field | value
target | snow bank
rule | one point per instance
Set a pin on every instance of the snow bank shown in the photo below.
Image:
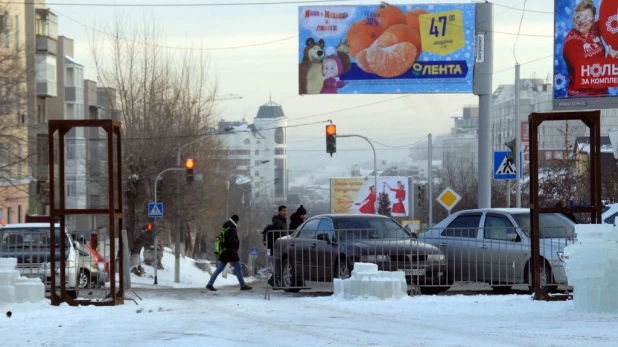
(368, 283)
(190, 275)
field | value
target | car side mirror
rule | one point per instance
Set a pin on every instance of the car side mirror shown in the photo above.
(513, 237)
(324, 237)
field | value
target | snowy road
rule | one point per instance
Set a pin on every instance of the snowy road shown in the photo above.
(196, 317)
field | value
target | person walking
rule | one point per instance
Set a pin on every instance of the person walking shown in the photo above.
(297, 218)
(229, 255)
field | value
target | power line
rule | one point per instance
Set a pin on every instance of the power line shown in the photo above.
(521, 20)
(523, 9)
(202, 4)
(176, 47)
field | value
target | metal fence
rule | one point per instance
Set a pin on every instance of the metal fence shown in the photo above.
(86, 262)
(433, 260)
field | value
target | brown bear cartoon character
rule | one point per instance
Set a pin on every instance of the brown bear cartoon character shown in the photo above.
(310, 79)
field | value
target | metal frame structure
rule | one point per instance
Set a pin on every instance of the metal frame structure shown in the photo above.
(592, 119)
(113, 210)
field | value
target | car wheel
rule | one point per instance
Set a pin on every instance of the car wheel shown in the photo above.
(83, 279)
(342, 270)
(546, 278)
(288, 277)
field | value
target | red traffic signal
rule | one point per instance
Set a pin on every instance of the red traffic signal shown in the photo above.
(149, 227)
(331, 139)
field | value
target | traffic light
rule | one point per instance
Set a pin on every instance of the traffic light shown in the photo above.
(189, 165)
(331, 139)
(420, 194)
(149, 227)
(511, 146)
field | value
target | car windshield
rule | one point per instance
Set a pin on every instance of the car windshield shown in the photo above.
(552, 225)
(370, 229)
(28, 237)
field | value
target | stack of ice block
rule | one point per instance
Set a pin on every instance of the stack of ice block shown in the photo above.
(17, 289)
(366, 281)
(592, 268)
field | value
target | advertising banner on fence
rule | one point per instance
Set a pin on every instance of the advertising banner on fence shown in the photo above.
(386, 49)
(585, 51)
(357, 195)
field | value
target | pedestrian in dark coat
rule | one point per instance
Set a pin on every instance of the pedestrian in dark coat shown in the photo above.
(297, 218)
(231, 244)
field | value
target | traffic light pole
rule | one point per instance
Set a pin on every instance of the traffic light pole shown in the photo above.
(517, 149)
(156, 223)
(430, 176)
(375, 167)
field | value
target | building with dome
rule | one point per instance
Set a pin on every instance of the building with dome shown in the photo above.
(258, 152)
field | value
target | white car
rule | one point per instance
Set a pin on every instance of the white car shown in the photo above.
(610, 212)
(30, 244)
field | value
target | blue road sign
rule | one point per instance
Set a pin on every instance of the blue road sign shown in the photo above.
(254, 251)
(504, 169)
(155, 210)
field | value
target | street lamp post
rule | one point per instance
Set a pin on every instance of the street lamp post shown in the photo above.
(177, 236)
(155, 232)
(375, 166)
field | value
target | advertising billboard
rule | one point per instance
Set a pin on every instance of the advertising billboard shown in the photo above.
(585, 50)
(386, 49)
(358, 194)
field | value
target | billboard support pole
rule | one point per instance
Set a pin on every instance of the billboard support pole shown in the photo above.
(518, 168)
(483, 72)
(430, 177)
(375, 167)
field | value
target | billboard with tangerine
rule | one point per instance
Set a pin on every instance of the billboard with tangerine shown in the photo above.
(386, 49)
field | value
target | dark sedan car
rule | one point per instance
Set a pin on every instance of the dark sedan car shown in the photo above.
(327, 246)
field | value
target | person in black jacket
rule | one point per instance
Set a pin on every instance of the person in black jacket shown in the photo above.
(297, 218)
(229, 255)
(280, 224)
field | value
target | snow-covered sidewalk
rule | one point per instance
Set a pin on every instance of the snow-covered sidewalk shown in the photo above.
(189, 317)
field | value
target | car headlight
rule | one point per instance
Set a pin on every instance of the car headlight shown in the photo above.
(375, 258)
(435, 257)
(561, 256)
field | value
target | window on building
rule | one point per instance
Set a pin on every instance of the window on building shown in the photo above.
(70, 77)
(257, 162)
(257, 152)
(1, 214)
(9, 218)
(558, 155)
(4, 27)
(247, 142)
(279, 136)
(19, 160)
(257, 174)
(17, 43)
(279, 151)
(70, 111)
(9, 160)
(19, 214)
(547, 155)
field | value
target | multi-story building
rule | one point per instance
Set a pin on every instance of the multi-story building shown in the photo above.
(461, 147)
(259, 151)
(16, 52)
(557, 138)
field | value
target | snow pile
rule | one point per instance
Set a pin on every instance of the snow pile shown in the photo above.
(592, 268)
(17, 289)
(366, 281)
(191, 276)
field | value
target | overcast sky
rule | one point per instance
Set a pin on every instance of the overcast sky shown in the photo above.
(258, 71)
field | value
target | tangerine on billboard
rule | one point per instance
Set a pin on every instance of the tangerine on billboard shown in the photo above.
(358, 195)
(386, 49)
(585, 54)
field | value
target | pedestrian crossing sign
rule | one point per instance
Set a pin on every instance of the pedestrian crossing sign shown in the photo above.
(155, 210)
(504, 168)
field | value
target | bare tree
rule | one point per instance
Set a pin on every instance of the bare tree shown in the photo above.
(13, 126)
(166, 100)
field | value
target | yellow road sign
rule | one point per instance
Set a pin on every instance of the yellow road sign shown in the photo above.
(448, 198)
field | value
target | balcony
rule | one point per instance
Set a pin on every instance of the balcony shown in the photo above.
(46, 23)
(45, 65)
(46, 44)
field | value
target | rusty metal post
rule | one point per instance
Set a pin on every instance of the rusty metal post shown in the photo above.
(592, 119)
(55, 300)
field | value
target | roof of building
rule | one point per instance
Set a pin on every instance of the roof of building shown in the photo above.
(582, 144)
(270, 110)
